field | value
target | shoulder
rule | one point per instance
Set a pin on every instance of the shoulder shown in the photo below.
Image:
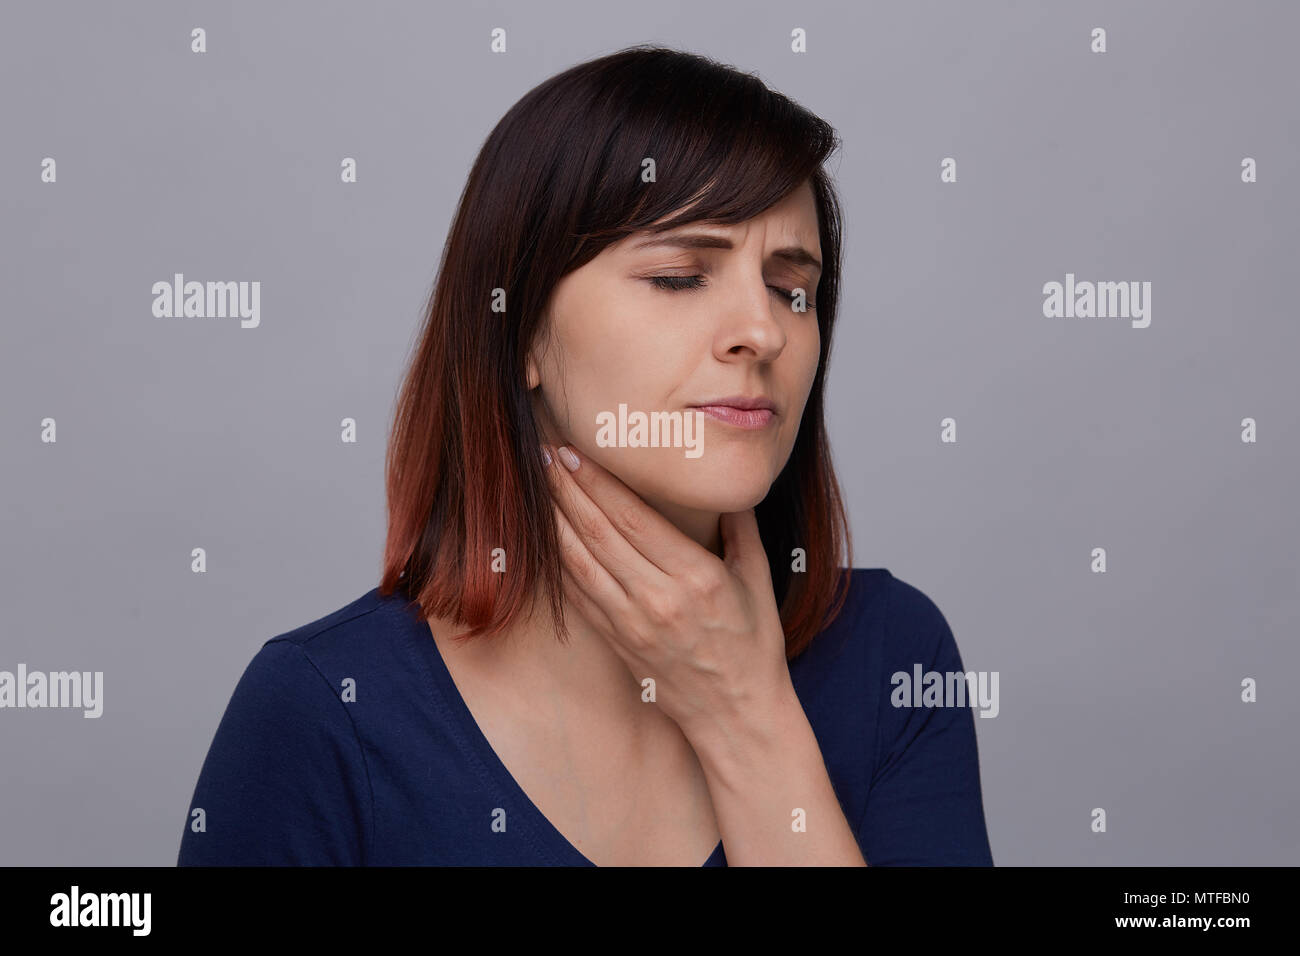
(892, 599)
(286, 675)
(366, 634)
(844, 679)
(286, 779)
(885, 619)
(370, 613)
(887, 627)
(920, 757)
(306, 673)
(914, 628)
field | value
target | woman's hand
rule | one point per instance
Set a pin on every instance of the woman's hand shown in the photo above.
(706, 629)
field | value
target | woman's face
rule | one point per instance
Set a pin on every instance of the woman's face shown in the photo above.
(616, 337)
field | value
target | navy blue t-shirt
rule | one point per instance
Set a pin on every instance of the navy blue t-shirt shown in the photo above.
(301, 774)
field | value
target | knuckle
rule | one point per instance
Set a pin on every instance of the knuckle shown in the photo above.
(588, 527)
(589, 577)
(705, 584)
(632, 521)
(665, 607)
(637, 638)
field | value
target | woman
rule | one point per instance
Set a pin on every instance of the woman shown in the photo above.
(614, 626)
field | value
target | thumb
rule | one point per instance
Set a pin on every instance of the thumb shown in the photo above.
(742, 547)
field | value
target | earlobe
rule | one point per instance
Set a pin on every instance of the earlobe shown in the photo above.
(531, 376)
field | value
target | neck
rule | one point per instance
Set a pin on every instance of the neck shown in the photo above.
(700, 526)
(585, 675)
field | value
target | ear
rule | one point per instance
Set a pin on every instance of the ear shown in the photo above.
(532, 377)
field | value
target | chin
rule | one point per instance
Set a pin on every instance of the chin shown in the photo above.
(722, 504)
(700, 484)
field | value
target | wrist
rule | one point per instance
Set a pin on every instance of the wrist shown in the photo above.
(750, 738)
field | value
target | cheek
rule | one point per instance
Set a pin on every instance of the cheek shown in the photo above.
(809, 357)
(593, 377)
(636, 363)
(605, 350)
(803, 372)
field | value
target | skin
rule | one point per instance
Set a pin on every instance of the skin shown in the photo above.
(617, 338)
(665, 573)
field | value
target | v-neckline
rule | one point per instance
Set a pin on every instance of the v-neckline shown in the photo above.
(473, 735)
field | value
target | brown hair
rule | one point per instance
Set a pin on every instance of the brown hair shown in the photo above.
(557, 180)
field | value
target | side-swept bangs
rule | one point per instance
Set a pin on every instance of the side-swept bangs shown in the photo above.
(644, 139)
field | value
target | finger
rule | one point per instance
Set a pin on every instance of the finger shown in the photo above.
(606, 629)
(590, 576)
(742, 547)
(604, 541)
(588, 609)
(652, 535)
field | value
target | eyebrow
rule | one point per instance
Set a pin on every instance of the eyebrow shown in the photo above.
(796, 255)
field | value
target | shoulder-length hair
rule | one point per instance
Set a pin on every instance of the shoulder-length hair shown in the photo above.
(559, 178)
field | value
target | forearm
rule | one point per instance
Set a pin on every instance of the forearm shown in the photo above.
(761, 773)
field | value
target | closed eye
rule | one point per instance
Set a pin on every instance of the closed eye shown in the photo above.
(671, 283)
(685, 283)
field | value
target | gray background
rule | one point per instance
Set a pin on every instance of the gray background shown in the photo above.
(1119, 690)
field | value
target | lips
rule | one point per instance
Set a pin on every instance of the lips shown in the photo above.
(738, 401)
(739, 410)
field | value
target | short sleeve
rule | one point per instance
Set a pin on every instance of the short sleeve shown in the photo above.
(924, 806)
(284, 782)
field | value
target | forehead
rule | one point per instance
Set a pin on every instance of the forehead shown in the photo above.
(800, 207)
(790, 224)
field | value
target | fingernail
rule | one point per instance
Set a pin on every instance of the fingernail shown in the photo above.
(569, 458)
(546, 456)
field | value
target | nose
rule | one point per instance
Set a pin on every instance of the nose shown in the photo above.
(750, 326)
